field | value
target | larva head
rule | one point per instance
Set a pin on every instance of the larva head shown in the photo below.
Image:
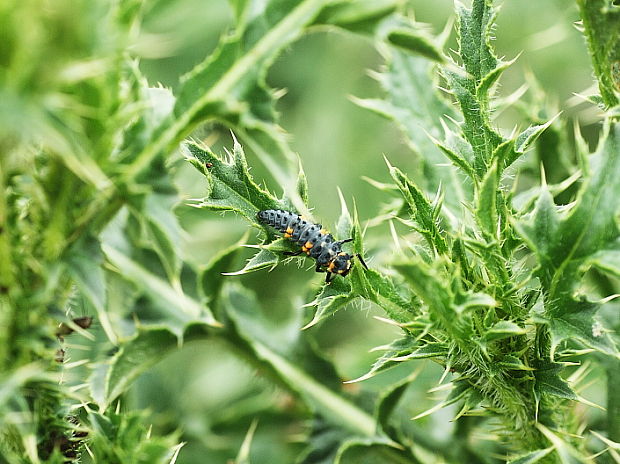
(341, 264)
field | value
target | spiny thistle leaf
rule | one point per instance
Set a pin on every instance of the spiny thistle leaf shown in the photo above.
(371, 450)
(476, 128)
(474, 38)
(607, 260)
(230, 185)
(421, 210)
(415, 42)
(361, 16)
(388, 403)
(136, 356)
(486, 207)
(428, 284)
(211, 279)
(124, 436)
(178, 307)
(264, 259)
(563, 242)
(401, 350)
(531, 458)
(229, 84)
(329, 300)
(413, 103)
(471, 84)
(548, 381)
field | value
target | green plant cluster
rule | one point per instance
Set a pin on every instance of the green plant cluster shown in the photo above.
(507, 286)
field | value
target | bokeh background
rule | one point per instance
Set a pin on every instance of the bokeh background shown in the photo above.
(203, 390)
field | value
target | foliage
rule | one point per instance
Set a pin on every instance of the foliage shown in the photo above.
(493, 282)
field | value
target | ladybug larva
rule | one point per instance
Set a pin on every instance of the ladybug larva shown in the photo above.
(315, 241)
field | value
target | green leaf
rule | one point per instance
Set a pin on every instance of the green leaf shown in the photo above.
(541, 231)
(456, 158)
(415, 42)
(422, 210)
(549, 382)
(513, 363)
(323, 443)
(576, 321)
(607, 260)
(178, 307)
(344, 226)
(361, 16)
(476, 128)
(387, 403)
(395, 353)
(302, 185)
(365, 283)
(136, 356)
(211, 279)
(485, 85)
(329, 300)
(474, 28)
(470, 86)
(563, 242)
(511, 150)
(229, 85)
(85, 261)
(526, 138)
(384, 292)
(125, 436)
(230, 185)
(264, 259)
(503, 329)
(591, 223)
(85, 265)
(430, 286)
(565, 452)
(413, 103)
(372, 451)
(486, 205)
(164, 230)
(282, 349)
(531, 458)
(283, 337)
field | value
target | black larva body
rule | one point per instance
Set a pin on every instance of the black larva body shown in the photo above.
(315, 241)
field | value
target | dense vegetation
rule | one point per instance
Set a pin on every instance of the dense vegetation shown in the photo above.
(127, 332)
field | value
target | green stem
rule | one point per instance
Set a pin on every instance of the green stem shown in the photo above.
(613, 400)
(325, 401)
(221, 91)
(7, 278)
(601, 23)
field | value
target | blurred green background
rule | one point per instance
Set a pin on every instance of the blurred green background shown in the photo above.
(203, 390)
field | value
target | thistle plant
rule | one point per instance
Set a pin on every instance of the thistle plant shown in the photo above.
(491, 291)
(507, 285)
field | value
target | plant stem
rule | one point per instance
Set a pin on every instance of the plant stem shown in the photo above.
(613, 400)
(6, 271)
(601, 24)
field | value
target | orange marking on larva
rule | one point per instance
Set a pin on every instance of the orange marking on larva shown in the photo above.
(308, 245)
(289, 231)
(287, 235)
(324, 232)
(342, 253)
(330, 266)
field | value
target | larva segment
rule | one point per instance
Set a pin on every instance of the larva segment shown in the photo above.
(315, 241)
